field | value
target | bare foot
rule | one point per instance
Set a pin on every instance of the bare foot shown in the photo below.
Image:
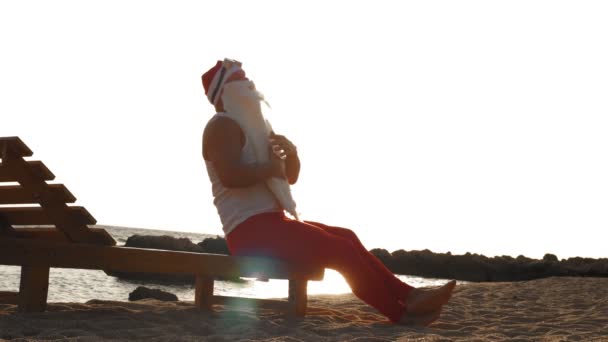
(429, 300)
(419, 319)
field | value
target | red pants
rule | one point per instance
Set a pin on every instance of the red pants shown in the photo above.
(275, 235)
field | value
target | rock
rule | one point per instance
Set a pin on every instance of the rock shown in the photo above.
(476, 267)
(215, 245)
(163, 242)
(142, 292)
(522, 259)
(550, 257)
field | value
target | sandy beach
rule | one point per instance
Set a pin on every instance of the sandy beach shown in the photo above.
(552, 309)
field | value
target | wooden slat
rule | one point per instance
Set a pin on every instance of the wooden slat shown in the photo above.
(38, 168)
(16, 145)
(36, 216)
(52, 233)
(86, 256)
(16, 194)
(34, 288)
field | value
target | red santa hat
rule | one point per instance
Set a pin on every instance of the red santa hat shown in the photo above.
(215, 78)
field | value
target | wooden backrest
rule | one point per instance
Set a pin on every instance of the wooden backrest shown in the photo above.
(49, 200)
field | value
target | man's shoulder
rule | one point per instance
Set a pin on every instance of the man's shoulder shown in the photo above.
(220, 133)
(218, 120)
(220, 123)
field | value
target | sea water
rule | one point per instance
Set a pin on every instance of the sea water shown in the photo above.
(74, 285)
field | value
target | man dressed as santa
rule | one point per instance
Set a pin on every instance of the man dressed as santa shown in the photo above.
(250, 169)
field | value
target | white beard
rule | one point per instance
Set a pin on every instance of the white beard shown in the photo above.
(241, 97)
(242, 102)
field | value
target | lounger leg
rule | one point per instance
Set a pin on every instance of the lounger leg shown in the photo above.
(203, 296)
(34, 288)
(297, 296)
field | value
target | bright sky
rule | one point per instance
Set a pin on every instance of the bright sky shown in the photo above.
(450, 125)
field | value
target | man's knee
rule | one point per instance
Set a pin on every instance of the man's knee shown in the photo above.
(349, 234)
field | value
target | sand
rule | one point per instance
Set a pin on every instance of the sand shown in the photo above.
(552, 309)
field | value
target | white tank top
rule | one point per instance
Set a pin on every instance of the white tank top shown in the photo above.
(235, 205)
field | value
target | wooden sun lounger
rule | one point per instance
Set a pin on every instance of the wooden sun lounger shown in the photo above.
(71, 243)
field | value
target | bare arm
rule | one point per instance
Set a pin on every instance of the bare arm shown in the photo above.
(222, 146)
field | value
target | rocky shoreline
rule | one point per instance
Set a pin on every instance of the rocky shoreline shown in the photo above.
(425, 263)
(479, 268)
